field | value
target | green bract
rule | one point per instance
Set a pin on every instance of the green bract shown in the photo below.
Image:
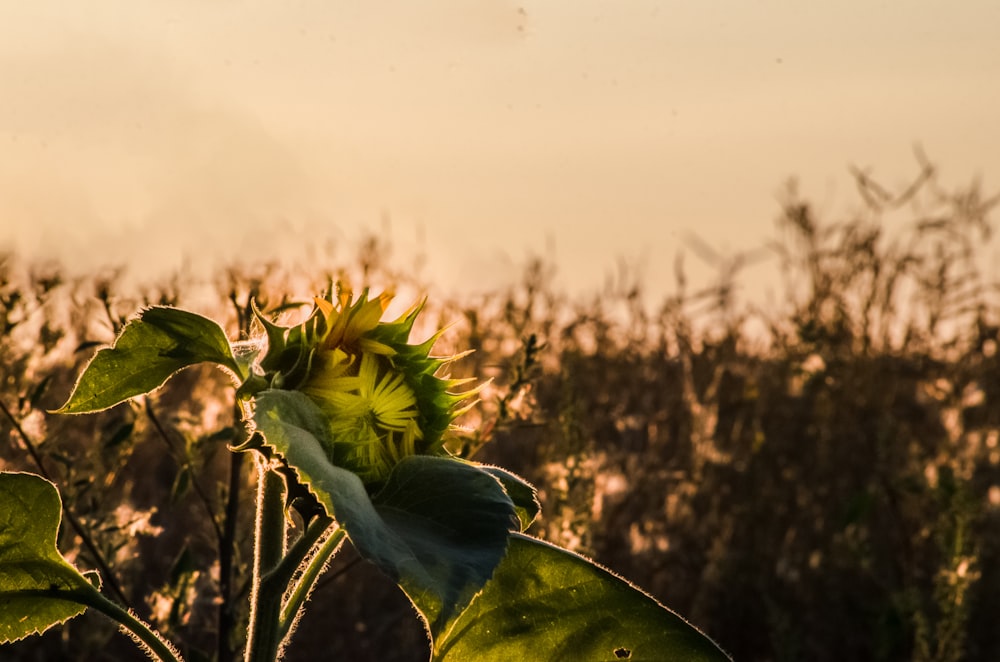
(381, 395)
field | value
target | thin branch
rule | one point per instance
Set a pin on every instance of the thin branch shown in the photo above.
(264, 637)
(226, 551)
(185, 464)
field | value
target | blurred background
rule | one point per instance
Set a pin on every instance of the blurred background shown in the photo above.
(475, 133)
(729, 266)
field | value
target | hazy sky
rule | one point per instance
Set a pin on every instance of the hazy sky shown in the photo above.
(484, 130)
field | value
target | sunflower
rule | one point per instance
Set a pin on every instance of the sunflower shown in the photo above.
(381, 395)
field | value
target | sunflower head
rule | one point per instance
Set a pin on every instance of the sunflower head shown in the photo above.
(382, 396)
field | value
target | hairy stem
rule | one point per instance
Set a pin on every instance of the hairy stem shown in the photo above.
(149, 640)
(264, 636)
(313, 567)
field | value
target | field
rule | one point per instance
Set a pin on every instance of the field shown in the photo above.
(819, 482)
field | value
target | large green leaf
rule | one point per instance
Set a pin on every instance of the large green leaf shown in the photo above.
(38, 587)
(148, 351)
(545, 603)
(438, 526)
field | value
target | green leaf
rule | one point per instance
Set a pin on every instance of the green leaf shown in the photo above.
(521, 492)
(456, 519)
(438, 526)
(120, 435)
(545, 603)
(149, 350)
(38, 587)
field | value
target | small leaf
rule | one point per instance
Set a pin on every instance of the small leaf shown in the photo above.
(36, 393)
(182, 482)
(438, 526)
(120, 435)
(545, 603)
(87, 344)
(521, 492)
(149, 350)
(182, 566)
(224, 434)
(38, 587)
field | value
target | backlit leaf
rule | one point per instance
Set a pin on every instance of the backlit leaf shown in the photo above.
(545, 603)
(151, 348)
(521, 492)
(38, 587)
(438, 526)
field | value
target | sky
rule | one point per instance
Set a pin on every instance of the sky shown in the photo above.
(477, 133)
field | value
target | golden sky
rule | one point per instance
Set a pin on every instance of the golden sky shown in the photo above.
(484, 130)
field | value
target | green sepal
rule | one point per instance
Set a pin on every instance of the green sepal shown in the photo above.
(150, 349)
(546, 603)
(39, 589)
(438, 526)
(290, 349)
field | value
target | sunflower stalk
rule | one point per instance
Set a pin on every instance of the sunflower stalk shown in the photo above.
(270, 531)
